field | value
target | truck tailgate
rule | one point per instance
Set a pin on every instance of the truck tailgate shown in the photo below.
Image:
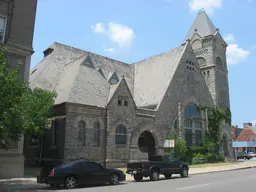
(134, 166)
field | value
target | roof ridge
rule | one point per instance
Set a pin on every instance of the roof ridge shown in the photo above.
(157, 55)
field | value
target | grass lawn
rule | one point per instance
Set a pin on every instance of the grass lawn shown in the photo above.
(200, 165)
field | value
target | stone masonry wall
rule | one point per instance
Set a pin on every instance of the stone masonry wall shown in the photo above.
(186, 87)
(90, 115)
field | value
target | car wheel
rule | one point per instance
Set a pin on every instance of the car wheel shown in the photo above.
(70, 182)
(114, 179)
(184, 172)
(154, 175)
(138, 177)
(168, 176)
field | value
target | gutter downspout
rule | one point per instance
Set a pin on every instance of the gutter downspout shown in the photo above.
(41, 149)
(105, 140)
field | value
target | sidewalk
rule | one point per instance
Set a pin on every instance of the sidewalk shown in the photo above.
(192, 171)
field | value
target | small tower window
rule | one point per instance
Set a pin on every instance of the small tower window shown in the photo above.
(119, 101)
(125, 102)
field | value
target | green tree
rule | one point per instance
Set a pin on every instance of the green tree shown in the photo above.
(22, 110)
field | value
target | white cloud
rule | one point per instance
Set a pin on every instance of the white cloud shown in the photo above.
(208, 5)
(98, 28)
(229, 37)
(236, 54)
(111, 50)
(119, 34)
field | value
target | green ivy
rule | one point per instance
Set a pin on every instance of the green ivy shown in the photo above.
(215, 117)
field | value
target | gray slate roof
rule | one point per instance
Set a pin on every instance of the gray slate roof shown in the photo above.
(203, 25)
(82, 77)
(66, 72)
(152, 76)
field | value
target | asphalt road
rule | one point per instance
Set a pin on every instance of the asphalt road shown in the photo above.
(235, 181)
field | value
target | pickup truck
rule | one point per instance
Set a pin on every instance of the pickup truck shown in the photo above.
(157, 165)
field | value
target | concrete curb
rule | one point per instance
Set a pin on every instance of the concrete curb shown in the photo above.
(130, 178)
(218, 171)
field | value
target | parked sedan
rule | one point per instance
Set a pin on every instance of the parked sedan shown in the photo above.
(82, 172)
(243, 155)
(251, 154)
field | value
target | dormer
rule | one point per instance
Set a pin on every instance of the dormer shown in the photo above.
(88, 62)
(48, 52)
(112, 78)
(101, 72)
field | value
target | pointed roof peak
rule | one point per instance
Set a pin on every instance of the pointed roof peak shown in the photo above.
(202, 25)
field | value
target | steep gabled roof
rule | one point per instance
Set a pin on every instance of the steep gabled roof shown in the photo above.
(64, 71)
(152, 76)
(203, 25)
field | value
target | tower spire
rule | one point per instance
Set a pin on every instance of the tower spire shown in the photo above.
(201, 10)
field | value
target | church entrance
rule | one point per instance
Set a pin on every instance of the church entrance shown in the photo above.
(147, 144)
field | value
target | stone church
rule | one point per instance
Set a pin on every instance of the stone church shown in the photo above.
(112, 112)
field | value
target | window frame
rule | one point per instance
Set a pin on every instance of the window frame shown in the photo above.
(82, 130)
(119, 134)
(96, 131)
(5, 27)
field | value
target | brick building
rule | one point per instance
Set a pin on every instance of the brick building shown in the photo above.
(17, 20)
(236, 132)
(111, 112)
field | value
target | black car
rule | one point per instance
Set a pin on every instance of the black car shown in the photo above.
(81, 172)
(243, 155)
(165, 165)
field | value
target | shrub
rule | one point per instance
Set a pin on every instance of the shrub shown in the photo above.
(198, 159)
(220, 158)
(198, 149)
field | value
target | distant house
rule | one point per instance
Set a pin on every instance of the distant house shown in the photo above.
(246, 140)
(248, 133)
(236, 132)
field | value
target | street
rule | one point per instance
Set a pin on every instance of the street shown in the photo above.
(235, 181)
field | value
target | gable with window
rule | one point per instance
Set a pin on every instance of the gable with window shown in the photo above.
(120, 135)
(3, 20)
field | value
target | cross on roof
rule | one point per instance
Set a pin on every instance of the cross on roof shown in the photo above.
(201, 10)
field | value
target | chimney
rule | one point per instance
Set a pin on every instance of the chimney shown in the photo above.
(48, 52)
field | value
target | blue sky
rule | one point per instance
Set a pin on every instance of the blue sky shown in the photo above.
(130, 30)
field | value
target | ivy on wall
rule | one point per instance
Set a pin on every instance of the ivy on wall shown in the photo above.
(215, 117)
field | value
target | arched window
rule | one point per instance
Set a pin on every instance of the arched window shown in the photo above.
(120, 135)
(81, 133)
(191, 111)
(201, 61)
(96, 134)
(192, 124)
(219, 62)
(197, 44)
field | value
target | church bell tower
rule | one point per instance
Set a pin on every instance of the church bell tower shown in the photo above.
(210, 50)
